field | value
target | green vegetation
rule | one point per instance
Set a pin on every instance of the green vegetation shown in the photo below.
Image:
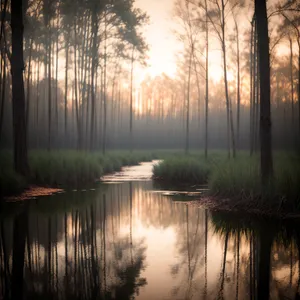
(239, 179)
(64, 168)
(182, 169)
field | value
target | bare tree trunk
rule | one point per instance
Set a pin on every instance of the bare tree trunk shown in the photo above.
(292, 80)
(28, 84)
(131, 100)
(299, 85)
(187, 133)
(265, 105)
(256, 113)
(56, 74)
(79, 145)
(230, 129)
(206, 79)
(18, 95)
(255, 88)
(104, 87)
(49, 89)
(66, 86)
(3, 90)
(37, 100)
(251, 87)
(238, 82)
(94, 58)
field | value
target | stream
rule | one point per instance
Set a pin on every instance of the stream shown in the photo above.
(128, 238)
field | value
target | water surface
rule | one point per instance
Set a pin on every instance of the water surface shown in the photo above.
(124, 241)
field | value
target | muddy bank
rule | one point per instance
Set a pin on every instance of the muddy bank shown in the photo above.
(214, 203)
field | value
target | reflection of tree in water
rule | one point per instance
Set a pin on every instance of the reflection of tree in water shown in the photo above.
(77, 254)
(273, 250)
(127, 273)
(191, 236)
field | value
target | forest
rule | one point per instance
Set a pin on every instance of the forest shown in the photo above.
(149, 149)
(74, 100)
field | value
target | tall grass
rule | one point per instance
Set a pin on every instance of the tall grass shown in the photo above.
(238, 179)
(64, 167)
(182, 169)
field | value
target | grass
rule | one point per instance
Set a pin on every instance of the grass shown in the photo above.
(64, 168)
(182, 169)
(238, 179)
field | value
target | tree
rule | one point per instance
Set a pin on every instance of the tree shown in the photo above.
(48, 15)
(18, 94)
(137, 48)
(266, 159)
(206, 77)
(190, 24)
(217, 17)
(238, 85)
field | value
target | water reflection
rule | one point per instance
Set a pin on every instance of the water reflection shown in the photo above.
(121, 241)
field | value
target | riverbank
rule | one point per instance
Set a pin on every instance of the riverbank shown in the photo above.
(65, 168)
(235, 184)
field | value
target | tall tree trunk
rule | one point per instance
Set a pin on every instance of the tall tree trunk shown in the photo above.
(131, 100)
(299, 84)
(265, 105)
(251, 86)
(78, 122)
(104, 87)
(49, 88)
(94, 58)
(292, 80)
(66, 86)
(256, 113)
(56, 74)
(28, 84)
(230, 129)
(238, 96)
(206, 79)
(3, 90)
(187, 133)
(18, 95)
(37, 99)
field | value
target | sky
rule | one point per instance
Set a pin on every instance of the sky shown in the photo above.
(160, 37)
(164, 45)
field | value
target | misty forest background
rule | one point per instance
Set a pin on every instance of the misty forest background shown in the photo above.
(82, 90)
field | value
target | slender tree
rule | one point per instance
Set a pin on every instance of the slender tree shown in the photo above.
(18, 94)
(266, 162)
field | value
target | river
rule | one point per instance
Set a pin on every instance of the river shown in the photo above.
(125, 238)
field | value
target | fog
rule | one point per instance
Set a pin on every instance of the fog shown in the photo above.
(83, 86)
